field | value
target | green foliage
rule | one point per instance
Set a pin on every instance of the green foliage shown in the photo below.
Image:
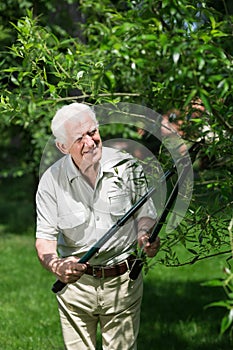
(46, 70)
(158, 54)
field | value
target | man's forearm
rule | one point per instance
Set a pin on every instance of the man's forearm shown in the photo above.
(145, 225)
(46, 251)
(50, 262)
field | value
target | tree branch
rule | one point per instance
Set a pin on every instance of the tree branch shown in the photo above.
(197, 258)
(101, 95)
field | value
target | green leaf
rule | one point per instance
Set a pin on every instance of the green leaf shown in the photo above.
(213, 283)
(220, 303)
(213, 22)
(14, 80)
(190, 97)
(226, 322)
(205, 100)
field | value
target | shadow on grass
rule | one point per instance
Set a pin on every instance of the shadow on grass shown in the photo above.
(173, 317)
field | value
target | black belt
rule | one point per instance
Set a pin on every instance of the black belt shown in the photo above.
(110, 271)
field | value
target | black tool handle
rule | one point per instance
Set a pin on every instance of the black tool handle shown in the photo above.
(139, 262)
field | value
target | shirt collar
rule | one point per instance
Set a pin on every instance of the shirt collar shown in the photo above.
(71, 170)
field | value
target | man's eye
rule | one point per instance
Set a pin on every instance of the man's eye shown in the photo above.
(92, 133)
(78, 140)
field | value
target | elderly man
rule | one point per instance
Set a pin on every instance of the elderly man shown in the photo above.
(78, 199)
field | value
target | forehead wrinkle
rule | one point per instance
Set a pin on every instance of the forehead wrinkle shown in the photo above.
(77, 128)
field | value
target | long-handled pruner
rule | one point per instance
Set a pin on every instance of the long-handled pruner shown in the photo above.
(139, 262)
(58, 285)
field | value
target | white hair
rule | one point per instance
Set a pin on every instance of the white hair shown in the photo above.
(73, 113)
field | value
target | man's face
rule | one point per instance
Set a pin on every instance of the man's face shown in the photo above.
(84, 142)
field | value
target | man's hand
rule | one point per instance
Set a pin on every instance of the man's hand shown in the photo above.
(68, 270)
(145, 225)
(151, 249)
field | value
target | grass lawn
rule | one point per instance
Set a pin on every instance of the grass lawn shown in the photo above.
(173, 310)
(173, 315)
(28, 315)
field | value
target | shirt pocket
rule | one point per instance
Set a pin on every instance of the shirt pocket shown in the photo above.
(119, 203)
(73, 224)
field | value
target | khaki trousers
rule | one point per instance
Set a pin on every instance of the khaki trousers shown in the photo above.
(114, 303)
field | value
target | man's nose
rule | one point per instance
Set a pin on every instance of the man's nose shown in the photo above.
(88, 140)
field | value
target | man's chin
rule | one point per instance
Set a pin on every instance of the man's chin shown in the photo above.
(92, 157)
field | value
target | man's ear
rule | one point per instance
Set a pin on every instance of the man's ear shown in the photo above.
(62, 147)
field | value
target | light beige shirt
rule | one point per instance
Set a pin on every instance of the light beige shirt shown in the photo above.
(70, 211)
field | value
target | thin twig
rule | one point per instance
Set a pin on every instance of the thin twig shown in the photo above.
(197, 258)
(89, 95)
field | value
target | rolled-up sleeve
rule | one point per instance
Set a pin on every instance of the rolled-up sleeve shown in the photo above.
(46, 226)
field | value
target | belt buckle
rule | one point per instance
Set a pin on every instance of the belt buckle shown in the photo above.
(96, 269)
